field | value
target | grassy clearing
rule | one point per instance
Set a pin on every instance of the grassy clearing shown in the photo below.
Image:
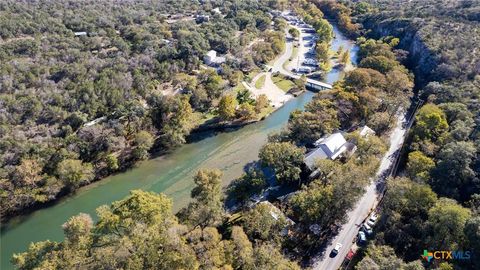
(260, 82)
(283, 83)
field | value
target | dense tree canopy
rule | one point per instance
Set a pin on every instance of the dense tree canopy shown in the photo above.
(107, 83)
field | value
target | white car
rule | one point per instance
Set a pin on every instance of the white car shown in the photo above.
(372, 220)
(335, 250)
(367, 229)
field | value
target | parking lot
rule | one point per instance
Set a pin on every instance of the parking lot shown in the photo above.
(305, 61)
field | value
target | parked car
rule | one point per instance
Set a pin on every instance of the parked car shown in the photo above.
(335, 250)
(372, 219)
(367, 229)
(361, 238)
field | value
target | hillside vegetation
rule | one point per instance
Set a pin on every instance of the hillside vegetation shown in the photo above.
(437, 206)
(77, 107)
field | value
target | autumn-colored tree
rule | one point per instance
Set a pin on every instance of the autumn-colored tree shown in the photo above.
(226, 107)
(261, 103)
(73, 173)
(419, 166)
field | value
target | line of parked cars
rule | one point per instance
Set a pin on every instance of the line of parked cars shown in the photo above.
(367, 229)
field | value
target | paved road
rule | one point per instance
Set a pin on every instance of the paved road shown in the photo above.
(278, 64)
(363, 207)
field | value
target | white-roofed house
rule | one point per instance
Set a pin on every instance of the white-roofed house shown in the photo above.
(330, 147)
(212, 59)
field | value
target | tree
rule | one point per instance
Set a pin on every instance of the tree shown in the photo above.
(143, 142)
(261, 103)
(453, 175)
(431, 123)
(207, 207)
(77, 231)
(448, 220)
(294, 32)
(472, 236)
(379, 63)
(358, 78)
(345, 58)
(246, 111)
(73, 173)
(380, 122)
(226, 107)
(209, 247)
(242, 249)
(406, 207)
(419, 166)
(319, 118)
(177, 121)
(285, 159)
(244, 96)
(137, 232)
(367, 147)
(112, 162)
(259, 223)
(324, 30)
(268, 257)
(27, 173)
(312, 204)
(323, 55)
(381, 258)
(251, 183)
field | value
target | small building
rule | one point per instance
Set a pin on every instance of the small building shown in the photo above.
(365, 131)
(330, 147)
(212, 59)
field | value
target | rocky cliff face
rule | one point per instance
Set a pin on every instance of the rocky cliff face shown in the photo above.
(421, 60)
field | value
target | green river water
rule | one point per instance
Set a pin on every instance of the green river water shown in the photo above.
(171, 174)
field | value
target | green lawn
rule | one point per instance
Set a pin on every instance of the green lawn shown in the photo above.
(260, 82)
(282, 83)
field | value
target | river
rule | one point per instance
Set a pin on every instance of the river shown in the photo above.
(171, 174)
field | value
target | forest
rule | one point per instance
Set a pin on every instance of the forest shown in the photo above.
(89, 88)
(433, 204)
(207, 234)
(409, 52)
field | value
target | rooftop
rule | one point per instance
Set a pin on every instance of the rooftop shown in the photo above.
(329, 147)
